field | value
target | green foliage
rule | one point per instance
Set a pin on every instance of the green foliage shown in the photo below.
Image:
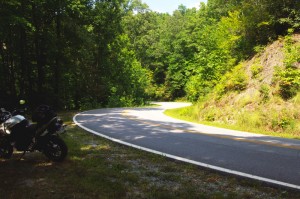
(256, 69)
(283, 120)
(224, 34)
(88, 53)
(236, 80)
(197, 88)
(192, 88)
(289, 82)
(292, 19)
(127, 79)
(259, 49)
(69, 54)
(292, 51)
(229, 34)
(289, 78)
(265, 92)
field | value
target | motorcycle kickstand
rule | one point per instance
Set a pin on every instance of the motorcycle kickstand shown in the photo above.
(22, 155)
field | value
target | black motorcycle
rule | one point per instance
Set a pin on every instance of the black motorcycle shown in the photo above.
(16, 132)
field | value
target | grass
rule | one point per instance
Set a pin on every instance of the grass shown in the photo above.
(98, 168)
(246, 112)
(247, 122)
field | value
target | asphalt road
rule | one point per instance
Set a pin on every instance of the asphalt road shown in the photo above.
(269, 159)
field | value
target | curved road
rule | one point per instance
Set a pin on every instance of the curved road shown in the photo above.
(265, 158)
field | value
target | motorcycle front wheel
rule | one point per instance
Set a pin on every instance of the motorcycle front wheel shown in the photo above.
(6, 150)
(55, 149)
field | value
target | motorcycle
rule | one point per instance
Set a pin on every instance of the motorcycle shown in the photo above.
(16, 132)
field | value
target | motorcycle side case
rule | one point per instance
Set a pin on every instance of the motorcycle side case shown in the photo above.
(17, 127)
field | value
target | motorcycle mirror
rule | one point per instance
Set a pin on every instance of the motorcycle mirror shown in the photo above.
(22, 102)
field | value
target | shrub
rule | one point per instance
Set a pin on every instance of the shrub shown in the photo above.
(282, 119)
(289, 79)
(210, 115)
(256, 69)
(289, 83)
(259, 49)
(236, 80)
(265, 92)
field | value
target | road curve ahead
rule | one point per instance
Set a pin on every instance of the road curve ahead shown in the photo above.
(265, 158)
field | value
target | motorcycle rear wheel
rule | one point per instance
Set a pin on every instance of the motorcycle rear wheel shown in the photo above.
(6, 150)
(55, 149)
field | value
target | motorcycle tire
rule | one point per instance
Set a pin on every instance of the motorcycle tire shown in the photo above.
(55, 149)
(6, 150)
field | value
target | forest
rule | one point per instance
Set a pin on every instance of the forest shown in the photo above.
(79, 54)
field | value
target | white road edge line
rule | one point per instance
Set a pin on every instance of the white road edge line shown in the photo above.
(246, 175)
